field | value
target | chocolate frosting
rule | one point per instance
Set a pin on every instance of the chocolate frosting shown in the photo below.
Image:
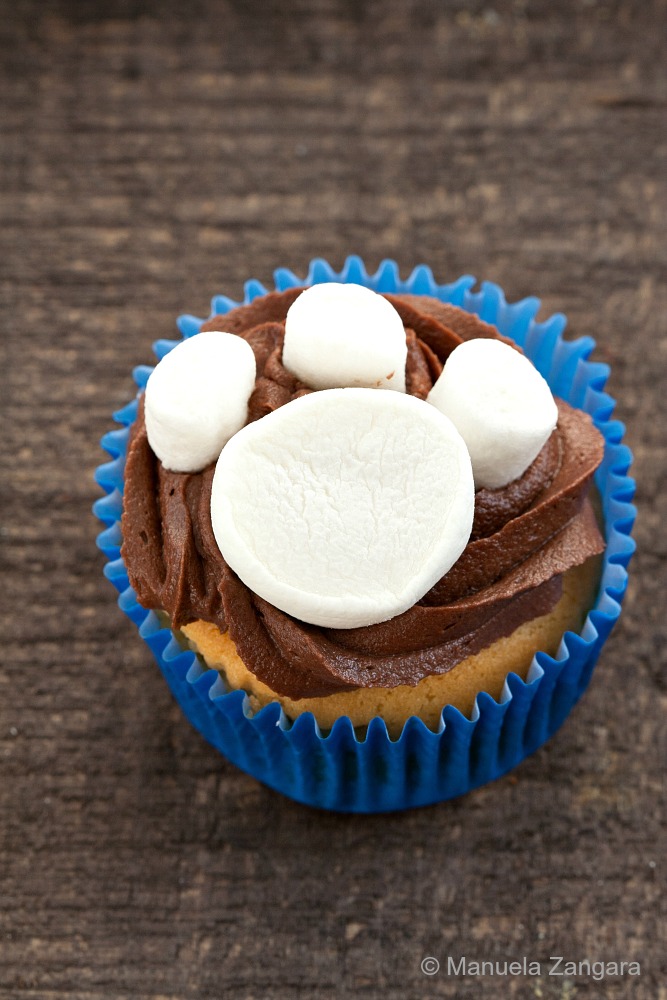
(525, 535)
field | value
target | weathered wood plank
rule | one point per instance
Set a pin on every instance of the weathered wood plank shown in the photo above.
(153, 155)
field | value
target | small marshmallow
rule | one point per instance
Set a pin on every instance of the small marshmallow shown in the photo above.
(501, 406)
(344, 507)
(345, 335)
(197, 398)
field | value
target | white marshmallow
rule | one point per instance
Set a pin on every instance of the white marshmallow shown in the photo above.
(344, 507)
(197, 398)
(501, 406)
(345, 335)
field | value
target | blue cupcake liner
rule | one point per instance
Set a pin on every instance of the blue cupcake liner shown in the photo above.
(366, 771)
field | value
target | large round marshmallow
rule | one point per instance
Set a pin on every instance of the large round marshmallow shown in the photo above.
(500, 404)
(345, 335)
(344, 507)
(197, 398)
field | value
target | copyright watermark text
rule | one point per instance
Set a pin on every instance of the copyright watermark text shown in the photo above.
(556, 965)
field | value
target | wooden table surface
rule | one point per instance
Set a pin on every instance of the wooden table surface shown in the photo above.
(154, 154)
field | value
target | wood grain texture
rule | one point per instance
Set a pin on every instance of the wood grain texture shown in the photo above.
(153, 155)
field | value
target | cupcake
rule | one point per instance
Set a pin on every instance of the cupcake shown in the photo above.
(394, 581)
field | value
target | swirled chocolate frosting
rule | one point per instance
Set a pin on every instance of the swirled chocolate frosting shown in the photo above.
(525, 535)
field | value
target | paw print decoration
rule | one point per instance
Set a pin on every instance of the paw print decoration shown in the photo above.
(345, 506)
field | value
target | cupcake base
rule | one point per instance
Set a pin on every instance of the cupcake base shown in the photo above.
(486, 671)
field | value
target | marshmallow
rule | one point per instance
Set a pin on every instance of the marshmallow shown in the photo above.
(501, 406)
(344, 507)
(197, 398)
(345, 335)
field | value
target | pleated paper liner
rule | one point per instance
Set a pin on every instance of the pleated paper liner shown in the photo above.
(366, 771)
